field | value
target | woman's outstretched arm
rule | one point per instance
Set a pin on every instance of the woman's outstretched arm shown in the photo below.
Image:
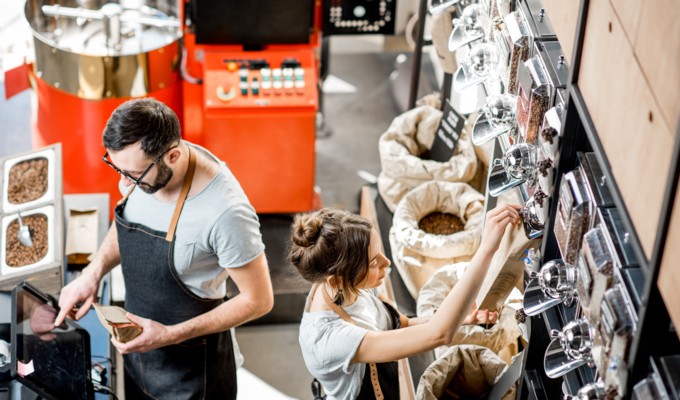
(383, 346)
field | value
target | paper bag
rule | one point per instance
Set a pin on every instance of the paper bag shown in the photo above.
(507, 268)
(82, 234)
(114, 320)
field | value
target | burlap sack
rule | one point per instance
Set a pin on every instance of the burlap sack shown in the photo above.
(417, 254)
(501, 338)
(400, 148)
(463, 372)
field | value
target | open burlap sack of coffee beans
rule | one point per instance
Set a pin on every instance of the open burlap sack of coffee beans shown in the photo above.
(409, 136)
(435, 206)
(463, 372)
(501, 337)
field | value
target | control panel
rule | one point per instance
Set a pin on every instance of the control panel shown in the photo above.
(351, 17)
(260, 79)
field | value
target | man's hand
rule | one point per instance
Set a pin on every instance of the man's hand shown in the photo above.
(82, 289)
(153, 336)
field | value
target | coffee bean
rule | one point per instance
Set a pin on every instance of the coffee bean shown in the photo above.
(27, 181)
(19, 255)
(438, 223)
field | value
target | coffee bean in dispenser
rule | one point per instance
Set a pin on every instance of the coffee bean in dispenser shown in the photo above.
(18, 255)
(27, 180)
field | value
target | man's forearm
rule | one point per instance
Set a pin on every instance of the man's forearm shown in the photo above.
(238, 310)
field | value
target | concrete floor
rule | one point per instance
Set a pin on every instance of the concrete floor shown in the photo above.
(346, 149)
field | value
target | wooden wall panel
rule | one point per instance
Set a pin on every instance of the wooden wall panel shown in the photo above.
(669, 274)
(628, 12)
(657, 48)
(637, 141)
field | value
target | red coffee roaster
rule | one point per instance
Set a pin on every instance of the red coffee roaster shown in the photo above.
(241, 75)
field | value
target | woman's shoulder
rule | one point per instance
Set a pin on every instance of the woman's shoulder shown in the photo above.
(319, 324)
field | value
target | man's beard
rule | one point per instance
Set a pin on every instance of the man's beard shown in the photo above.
(163, 176)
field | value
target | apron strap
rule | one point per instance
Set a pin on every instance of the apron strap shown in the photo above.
(343, 314)
(188, 178)
(129, 192)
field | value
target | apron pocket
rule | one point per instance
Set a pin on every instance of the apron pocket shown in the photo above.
(177, 371)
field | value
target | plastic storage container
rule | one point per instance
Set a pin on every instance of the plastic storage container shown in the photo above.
(574, 210)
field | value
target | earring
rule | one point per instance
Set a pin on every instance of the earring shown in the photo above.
(339, 297)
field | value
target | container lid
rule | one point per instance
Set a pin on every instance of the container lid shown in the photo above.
(634, 280)
(537, 19)
(620, 237)
(669, 367)
(112, 30)
(618, 302)
(518, 29)
(580, 193)
(599, 183)
(534, 79)
(554, 62)
(594, 182)
(597, 252)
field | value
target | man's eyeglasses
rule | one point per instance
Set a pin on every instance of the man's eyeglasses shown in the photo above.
(136, 181)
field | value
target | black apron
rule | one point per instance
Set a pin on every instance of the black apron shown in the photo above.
(381, 380)
(199, 368)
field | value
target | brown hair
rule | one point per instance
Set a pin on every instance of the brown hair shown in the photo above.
(331, 242)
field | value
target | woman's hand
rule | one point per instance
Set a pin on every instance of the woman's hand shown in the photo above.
(497, 220)
(481, 317)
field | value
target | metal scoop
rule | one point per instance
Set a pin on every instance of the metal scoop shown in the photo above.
(24, 234)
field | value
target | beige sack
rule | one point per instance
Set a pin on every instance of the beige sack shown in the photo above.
(463, 372)
(442, 25)
(501, 338)
(408, 137)
(417, 254)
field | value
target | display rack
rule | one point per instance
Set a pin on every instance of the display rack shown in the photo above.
(655, 338)
(655, 335)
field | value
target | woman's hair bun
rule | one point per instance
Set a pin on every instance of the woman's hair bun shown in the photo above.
(306, 230)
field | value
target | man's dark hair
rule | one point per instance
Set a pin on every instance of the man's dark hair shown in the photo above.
(147, 121)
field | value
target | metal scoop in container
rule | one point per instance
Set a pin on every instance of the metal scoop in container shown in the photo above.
(24, 234)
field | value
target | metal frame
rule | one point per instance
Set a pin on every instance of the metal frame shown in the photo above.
(417, 54)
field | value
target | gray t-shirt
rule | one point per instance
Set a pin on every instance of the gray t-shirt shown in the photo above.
(217, 230)
(329, 343)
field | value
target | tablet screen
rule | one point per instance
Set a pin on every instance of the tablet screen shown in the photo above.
(53, 362)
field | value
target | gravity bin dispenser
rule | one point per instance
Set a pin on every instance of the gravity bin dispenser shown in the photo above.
(250, 94)
(31, 220)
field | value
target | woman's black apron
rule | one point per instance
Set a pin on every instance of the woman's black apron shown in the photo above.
(199, 368)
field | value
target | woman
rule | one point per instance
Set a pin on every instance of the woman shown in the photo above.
(346, 327)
